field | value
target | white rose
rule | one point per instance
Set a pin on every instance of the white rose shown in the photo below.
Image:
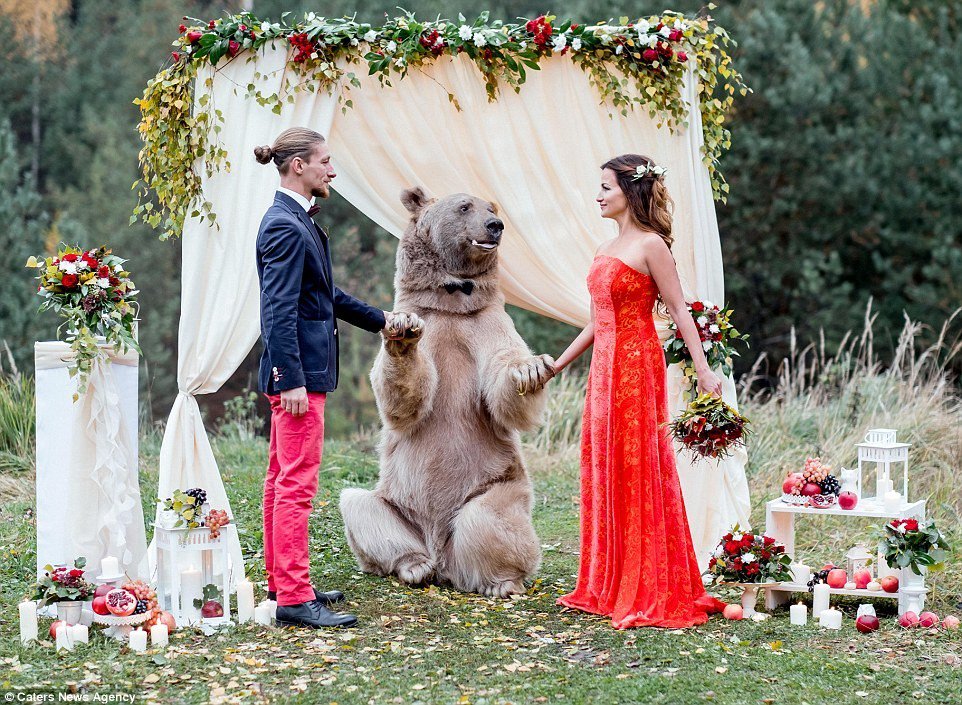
(103, 283)
(314, 55)
(736, 537)
(576, 44)
(82, 266)
(265, 27)
(605, 38)
(68, 267)
(748, 558)
(706, 345)
(464, 32)
(681, 26)
(665, 31)
(701, 320)
(559, 42)
(400, 62)
(713, 328)
(652, 41)
(719, 552)
(391, 47)
(118, 268)
(311, 16)
(354, 42)
(620, 48)
(479, 40)
(642, 26)
(370, 37)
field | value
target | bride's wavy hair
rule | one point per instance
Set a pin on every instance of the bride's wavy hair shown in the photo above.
(292, 142)
(648, 200)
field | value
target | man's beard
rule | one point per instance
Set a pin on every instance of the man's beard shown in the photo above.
(319, 193)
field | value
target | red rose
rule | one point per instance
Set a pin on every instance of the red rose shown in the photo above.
(682, 56)
(675, 35)
(243, 28)
(911, 525)
(175, 56)
(211, 24)
(76, 573)
(731, 547)
(697, 306)
(103, 272)
(749, 538)
(182, 29)
(727, 537)
(194, 35)
(69, 280)
(574, 26)
(233, 48)
(649, 54)
(769, 540)
(71, 257)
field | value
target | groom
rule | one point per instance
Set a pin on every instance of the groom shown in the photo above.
(299, 307)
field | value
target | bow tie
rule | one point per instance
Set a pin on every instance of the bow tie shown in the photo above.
(467, 287)
(313, 210)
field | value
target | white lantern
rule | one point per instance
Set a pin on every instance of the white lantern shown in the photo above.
(857, 558)
(880, 447)
(188, 560)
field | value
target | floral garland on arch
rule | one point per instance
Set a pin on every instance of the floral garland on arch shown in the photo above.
(638, 63)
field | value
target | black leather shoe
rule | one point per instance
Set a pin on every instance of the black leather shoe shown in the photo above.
(325, 598)
(312, 614)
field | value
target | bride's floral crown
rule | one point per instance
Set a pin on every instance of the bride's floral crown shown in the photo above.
(643, 170)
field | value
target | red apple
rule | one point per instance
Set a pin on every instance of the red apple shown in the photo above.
(862, 578)
(810, 489)
(53, 628)
(794, 478)
(733, 612)
(928, 619)
(890, 583)
(102, 590)
(847, 500)
(909, 620)
(837, 578)
(100, 605)
(867, 623)
(212, 608)
(951, 622)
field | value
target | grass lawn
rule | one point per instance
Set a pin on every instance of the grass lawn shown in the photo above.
(438, 646)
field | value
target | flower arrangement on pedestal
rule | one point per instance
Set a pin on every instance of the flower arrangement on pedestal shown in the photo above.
(709, 427)
(717, 336)
(94, 293)
(63, 584)
(746, 557)
(911, 543)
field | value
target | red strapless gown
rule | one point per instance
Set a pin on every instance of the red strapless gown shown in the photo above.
(637, 561)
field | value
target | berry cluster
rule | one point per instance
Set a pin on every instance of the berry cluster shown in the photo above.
(820, 576)
(818, 474)
(199, 495)
(146, 595)
(215, 520)
(814, 471)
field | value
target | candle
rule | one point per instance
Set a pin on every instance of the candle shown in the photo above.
(158, 635)
(893, 501)
(883, 487)
(245, 601)
(79, 634)
(801, 573)
(820, 600)
(86, 617)
(28, 621)
(798, 614)
(190, 589)
(830, 619)
(63, 638)
(262, 614)
(273, 605)
(138, 640)
(109, 566)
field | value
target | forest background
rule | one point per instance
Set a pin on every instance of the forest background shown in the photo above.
(845, 173)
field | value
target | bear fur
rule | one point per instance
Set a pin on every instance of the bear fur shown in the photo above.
(455, 385)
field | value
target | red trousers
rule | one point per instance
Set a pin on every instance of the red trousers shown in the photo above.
(289, 488)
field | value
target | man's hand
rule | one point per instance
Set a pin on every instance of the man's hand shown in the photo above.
(295, 401)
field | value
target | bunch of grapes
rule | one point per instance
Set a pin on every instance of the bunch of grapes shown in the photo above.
(199, 495)
(144, 594)
(215, 520)
(820, 576)
(831, 485)
(814, 471)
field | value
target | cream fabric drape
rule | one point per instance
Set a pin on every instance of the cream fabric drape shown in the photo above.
(537, 154)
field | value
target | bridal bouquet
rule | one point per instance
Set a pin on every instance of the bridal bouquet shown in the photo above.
(93, 292)
(709, 427)
(913, 543)
(744, 557)
(717, 336)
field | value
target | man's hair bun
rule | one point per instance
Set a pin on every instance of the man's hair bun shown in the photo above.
(263, 154)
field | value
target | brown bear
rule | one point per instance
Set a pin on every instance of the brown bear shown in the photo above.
(454, 390)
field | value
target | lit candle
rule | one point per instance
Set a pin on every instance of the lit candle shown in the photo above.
(245, 601)
(801, 573)
(138, 640)
(262, 614)
(893, 501)
(63, 638)
(28, 621)
(798, 614)
(158, 635)
(190, 589)
(109, 565)
(830, 619)
(79, 634)
(820, 598)
(883, 487)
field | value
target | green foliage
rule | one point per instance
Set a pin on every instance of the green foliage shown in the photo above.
(17, 423)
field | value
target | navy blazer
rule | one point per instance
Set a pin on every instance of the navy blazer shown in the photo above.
(299, 302)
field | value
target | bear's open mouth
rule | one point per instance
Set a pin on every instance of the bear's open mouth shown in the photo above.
(485, 244)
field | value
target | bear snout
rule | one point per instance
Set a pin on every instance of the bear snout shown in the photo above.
(495, 227)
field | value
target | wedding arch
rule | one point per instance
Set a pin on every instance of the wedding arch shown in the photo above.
(520, 114)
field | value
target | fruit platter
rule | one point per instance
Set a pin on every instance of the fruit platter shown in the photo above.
(120, 609)
(815, 486)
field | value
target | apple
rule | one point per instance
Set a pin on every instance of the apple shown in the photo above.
(793, 479)
(102, 590)
(733, 612)
(862, 578)
(867, 623)
(928, 619)
(810, 489)
(847, 500)
(100, 605)
(909, 620)
(828, 566)
(837, 578)
(211, 608)
(890, 583)
(951, 622)
(53, 628)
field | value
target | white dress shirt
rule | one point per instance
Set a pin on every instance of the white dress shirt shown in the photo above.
(305, 204)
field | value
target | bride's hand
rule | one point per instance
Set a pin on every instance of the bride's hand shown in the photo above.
(709, 383)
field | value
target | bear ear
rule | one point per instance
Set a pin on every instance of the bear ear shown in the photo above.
(494, 205)
(414, 199)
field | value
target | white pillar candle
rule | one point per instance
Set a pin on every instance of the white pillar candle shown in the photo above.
(28, 621)
(191, 588)
(138, 640)
(798, 614)
(158, 635)
(109, 565)
(820, 598)
(79, 634)
(245, 601)
(830, 619)
(273, 605)
(86, 617)
(883, 487)
(262, 614)
(63, 638)
(801, 573)
(893, 501)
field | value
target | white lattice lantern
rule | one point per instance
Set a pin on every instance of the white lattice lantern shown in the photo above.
(187, 561)
(881, 448)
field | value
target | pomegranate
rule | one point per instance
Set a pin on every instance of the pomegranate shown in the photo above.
(862, 578)
(951, 622)
(168, 619)
(791, 481)
(928, 619)
(53, 628)
(120, 602)
(102, 590)
(890, 583)
(733, 612)
(810, 489)
(836, 578)
(100, 605)
(867, 623)
(847, 500)
(909, 620)
(211, 608)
